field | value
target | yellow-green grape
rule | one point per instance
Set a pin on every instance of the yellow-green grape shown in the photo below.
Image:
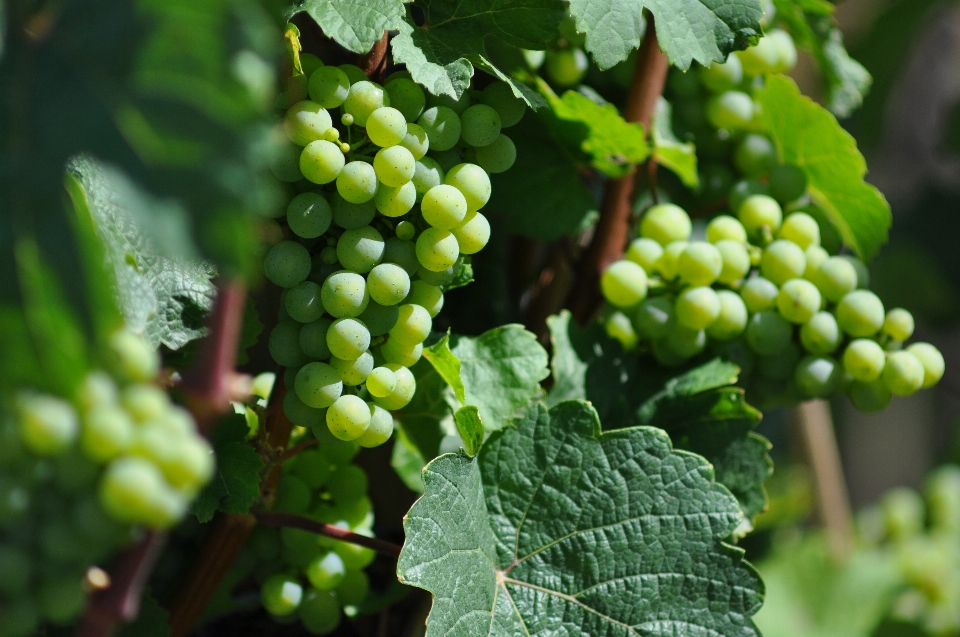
(754, 155)
(406, 230)
(700, 263)
(816, 256)
(379, 318)
(380, 429)
(403, 393)
(133, 490)
(395, 352)
(836, 277)
(442, 125)
(413, 325)
(406, 96)
(394, 166)
(473, 233)
(898, 324)
(943, 496)
(347, 338)
(761, 58)
(624, 283)
(735, 259)
(680, 344)
(348, 417)
(730, 110)
(798, 300)
(302, 302)
(444, 207)
(318, 385)
(480, 125)
(328, 86)
(669, 262)
(904, 373)
(758, 212)
(732, 320)
(191, 466)
(395, 201)
(501, 98)
(724, 76)
(97, 389)
(388, 284)
(381, 381)
(863, 274)
(864, 359)
(426, 175)
(309, 215)
(768, 333)
(726, 227)
(666, 223)
(800, 228)
(697, 307)
(107, 432)
(360, 249)
(473, 182)
(869, 397)
(416, 141)
(357, 182)
(618, 327)
(759, 294)
(566, 67)
(427, 296)
(645, 253)
(499, 156)
(386, 127)
(781, 261)
(344, 294)
(362, 100)
(437, 249)
(321, 161)
(48, 425)
(786, 50)
(654, 318)
(132, 357)
(817, 376)
(144, 402)
(353, 372)
(821, 334)
(932, 360)
(305, 122)
(860, 313)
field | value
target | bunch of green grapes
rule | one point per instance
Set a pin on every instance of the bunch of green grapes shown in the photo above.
(384, 187)
(81, 476)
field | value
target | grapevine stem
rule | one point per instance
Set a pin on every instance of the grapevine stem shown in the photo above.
(374, 62)
(291, 520)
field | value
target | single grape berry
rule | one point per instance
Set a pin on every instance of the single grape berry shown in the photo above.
(654, 318)
(787, 183)
(731, 110)
(768, 333)
(666, 223)
(817, 376)
(697, 307)
(758, 212)
(821, 334)
(645, 253)
(904, 373)
(800, 228)
(898, 324)
(864, 359)
(860, 313)
(736, 261)
(624, 284)
(732, 320)
(932, 361)
(281, 595)
(618, 327)
(759, 294)
(781, 261)
(726, 227)
(798, 300)
(700, 263)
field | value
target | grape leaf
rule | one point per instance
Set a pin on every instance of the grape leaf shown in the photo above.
(687, 30)
(355, 24)
(670, 152)
(809, 137)
(407, 461)
(236, 485)
(467, 417)
(556, 528)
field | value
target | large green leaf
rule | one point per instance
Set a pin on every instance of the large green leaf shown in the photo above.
(687, 30)
(355, 24)
(557, 528)
(808, 136)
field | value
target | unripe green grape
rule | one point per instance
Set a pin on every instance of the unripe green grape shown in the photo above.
(449, 158)
(48, 425)
(755, 155)
(666, 223)
(864, 359)
(743, 190)
(443, 127)
(354, 371)
(309, 215)
(407, 97)
(817, 377)
(731, 110)
(480, 125)
(318, 385)
(379, 318)
(191, 466)
(106, 433)
(328, 86)
(697, 307)
(357, 182)
(759, 294)
(645, 253)
(321, 161)
(821, 334)
(898, 324)
(303, 302)
(669, 262)
(781, 261)
(444, 207)
(932, 361)
(499, 156)
(700, 263)
(800, 228)
(362, 100)
(566, 67)
(281, 595)
(473, 182)
(403, 393)
(395, 202)
(869, 397)
(816, 256)
(654, 318)
(133, 490)
(394, 166)
(619, 328)
(836, 277)
(439, 278)
(786, 50)
(782, 365)
(427, 174)
(768, 333)
(735, 261)
(726, 227)
(381, 382)
(863, 274)
(405, 230)
(309, 63)
(457, 105)
(416, 141)
(787, 183)
(348, 338)
(943, 496)
(798, 300)
(360, 249)
(284, 344)
(306, 122)
(301, 414)
(761, 58)
(510, 108)
(348, 417)
(388, 284)
(395, 352)
(344, 294)
(96, 390)
(287, 264)
(351, 216)
(473, 233)
(680, 344)
(903, 374)
(760, 211)
(285, 162)
(413, 325)
(719, 77)
(624, 284)
(380, 429)
(732, 320)
(437, 249)
(326, 572)
(860, 313)
(386, 127)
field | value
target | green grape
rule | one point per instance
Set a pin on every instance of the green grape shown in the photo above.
(761, 58)
(293, 495)
(860, 313)
(348, 338)
(715, 180)
(566, 67)
(285, 162)
(407, 97)
(456, 105)
(731, 110)
(669, 262)
(817, 376)
(97, 389)
(357, 182)
(403, 393)
(306, 122)
(285, 346)
(321, 161)
(816, 256)
(437, 249)
(388, 284)
(759, 294)
(405, 230)
(719, 77)
(380, 429)
(726, 227)
(768, 333)
(355, 371)
(442, 125)
(624, 283)
(287, 264)
(355, 556)
(473, 233)
(394, 166)
(473, 182)
(781, 366)
(312, 339)
(932, 361)
(359, 250)
(758, 212)
(413, 325)
(379, 318)
(381, 381)
(61, 600)
(48, 425)
(732, 320)
(509, 107)
(439, 278)
(106, 433)
(309, 63)
(680, 345)
(735, 261)
(743, 190)
(943, 495)
(898, 324)
(754, 155)
(393, 351)
(666, 223)
(787, 183)
(301, 414)
(348, 417)
(144, 402)
(903, 374)
(645, 253)
(781, 261)
(444, 207)
(351, 216)
(309, 215)
(190, 466)
(320, 612)
(362, 100)
(403, 253)
(821, 334)
(480, 125)
(16, 570)
(328, 86)
(303, 302)
(798, 300)
(863, 274)
(700, 263)
(869, 397)
(318, 385)
(416, 141)
(281, 595)
(447, 159)
(132, 490)
(864, 359)
(800, 228)
(786, 50)
(429, 297)
(618, 327)
(386, 127)
(836, 277)
(697, 307)
(654, 318)
(427, 174)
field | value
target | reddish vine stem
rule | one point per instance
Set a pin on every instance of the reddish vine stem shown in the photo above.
(374, 62)
(293, 521)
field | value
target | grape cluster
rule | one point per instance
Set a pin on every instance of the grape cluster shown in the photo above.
(383, 191)
(80, 477)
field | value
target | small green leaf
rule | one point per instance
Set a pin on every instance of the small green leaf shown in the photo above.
(670, 152)
(470, 428)
(462, 277)
(446, 364)
(809, 137)
(236, 485)
(355, 24)
(407, 461)
(555, 524)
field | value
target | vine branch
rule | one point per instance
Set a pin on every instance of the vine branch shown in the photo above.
(291, 520)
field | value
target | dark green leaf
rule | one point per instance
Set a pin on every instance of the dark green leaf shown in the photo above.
(236, 486)
(355, 24)
(555, 526)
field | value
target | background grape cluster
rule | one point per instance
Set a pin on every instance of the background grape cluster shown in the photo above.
(82, 476)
